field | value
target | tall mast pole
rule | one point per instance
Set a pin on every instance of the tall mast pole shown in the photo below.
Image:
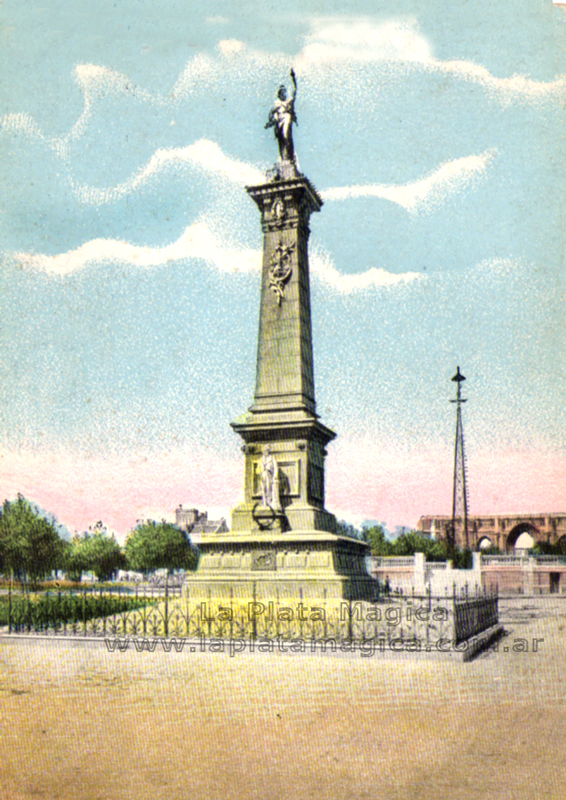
(459, 489)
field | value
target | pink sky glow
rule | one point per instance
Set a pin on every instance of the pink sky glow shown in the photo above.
(363, 482)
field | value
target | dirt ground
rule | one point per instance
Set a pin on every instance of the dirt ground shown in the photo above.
(83, 723)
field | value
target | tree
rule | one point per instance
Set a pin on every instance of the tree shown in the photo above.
(344, 528)
(407, 544)
(76, 558)
(414, 542)
(463, 559)
(159, 545)
(95, 551)
(547, 549)
(29, 543)
(492, 550)
(375, 537)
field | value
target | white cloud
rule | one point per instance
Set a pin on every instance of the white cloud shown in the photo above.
(360, 39)
(198, 71)
(200, 241)
(427, 193)
(21, 123)
(230, 47)
(517, 87)
(501, 266)
(322, 267)
(203, 154)
(400, 44)
(197, 241)
(95, 83)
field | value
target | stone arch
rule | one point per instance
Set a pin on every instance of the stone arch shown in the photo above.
(485, 543)
(522, 537)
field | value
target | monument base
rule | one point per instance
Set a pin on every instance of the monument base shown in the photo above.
(310, 565)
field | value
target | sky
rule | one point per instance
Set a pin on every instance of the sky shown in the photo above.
(130, 253)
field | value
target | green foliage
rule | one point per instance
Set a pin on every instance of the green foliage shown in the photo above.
(76, 558)
(29, 544)
(159, 545)
(375, 537)
(54, 608)
(344, 528)
(547, 549)
(94, 551)
(50, 585)
(407, 544)
(492, 550)
(463, 559)
(412, 542)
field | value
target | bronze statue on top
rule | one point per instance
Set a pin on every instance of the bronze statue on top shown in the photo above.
(281, 117)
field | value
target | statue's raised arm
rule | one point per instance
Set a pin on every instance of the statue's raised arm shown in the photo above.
(294, 79)
(281, 117)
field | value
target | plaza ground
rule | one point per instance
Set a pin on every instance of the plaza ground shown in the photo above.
(85, 724)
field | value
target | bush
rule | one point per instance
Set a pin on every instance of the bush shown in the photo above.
(51, 609)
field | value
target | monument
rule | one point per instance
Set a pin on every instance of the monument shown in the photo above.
(283, 541)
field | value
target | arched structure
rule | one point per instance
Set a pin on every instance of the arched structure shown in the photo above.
(502, 530)
(523, 537)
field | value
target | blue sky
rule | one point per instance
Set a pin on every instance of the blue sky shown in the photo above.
(130, 251)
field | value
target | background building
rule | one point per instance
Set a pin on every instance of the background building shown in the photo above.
(506, 532)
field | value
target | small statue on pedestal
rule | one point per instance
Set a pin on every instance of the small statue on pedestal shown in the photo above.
(269, 480)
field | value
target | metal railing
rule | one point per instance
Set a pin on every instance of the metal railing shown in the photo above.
(555, 559)
(421, 619)
(513, 560)
(475, 614)
(392, 561)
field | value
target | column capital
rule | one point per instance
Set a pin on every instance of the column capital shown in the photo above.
(286, 203)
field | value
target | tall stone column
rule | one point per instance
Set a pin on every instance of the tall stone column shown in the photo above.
(283, 414)
(283, 542)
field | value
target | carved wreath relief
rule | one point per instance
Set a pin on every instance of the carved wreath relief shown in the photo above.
(280, 269)
(266, 559)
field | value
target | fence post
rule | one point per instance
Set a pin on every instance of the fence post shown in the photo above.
(188, 611)
(167, 603)
(59, 610)
(10, 603)
(84, 610)
(74, 605)
(429, 609)
(454, 614)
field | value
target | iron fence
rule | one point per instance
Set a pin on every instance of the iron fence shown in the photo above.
(474, 614)
(416, 621)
